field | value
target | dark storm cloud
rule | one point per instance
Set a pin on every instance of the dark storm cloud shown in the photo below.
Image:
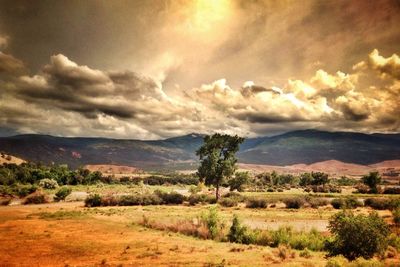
(266, 118)
(354, 115)
(68, 86)
(10, 65)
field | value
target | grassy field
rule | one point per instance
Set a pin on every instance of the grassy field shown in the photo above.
(61, 234)
(70, 234)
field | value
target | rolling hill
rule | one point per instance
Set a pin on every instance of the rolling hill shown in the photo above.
(297, 147)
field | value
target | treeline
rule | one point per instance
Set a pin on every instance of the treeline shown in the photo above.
(32, 173)
(57, 175)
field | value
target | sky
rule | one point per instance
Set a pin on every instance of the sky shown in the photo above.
(153, 69)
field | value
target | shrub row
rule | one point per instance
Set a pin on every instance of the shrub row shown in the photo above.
(347, 202)
(157, 198)
(382, 203)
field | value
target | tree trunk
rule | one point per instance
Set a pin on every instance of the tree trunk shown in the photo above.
(217, 192)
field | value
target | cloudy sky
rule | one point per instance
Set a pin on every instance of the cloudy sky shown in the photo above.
(150, 69)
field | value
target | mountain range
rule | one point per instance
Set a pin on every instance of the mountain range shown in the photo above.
(296, 147)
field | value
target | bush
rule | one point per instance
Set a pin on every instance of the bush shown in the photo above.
(239, 233)
(362, 189)
(93, 201)
(170, 198)
(62, 193)
(392, 190)
(144, 200)
(294, 202)
(201, 198)
(48, 183)
(228, 202)
(346, 203)
(213, 223)
(378, 203)
(24, 190)
(317, 202)
(255, 203)
(239, 181)
(36, 198)
(357, 235)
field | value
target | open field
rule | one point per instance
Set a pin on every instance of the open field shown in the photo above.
(68, 234)
(78, 236)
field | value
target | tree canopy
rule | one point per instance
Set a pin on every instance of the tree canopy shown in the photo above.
(218, 161)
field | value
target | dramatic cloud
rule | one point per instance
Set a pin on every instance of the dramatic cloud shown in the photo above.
(243, 67)
(9, 64)
(67, 98)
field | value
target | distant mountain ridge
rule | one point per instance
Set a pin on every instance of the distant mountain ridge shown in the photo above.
(296, 147)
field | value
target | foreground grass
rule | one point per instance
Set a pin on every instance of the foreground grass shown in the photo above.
(107, 236)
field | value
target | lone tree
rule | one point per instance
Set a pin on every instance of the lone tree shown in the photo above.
(373, 179)
(218, 161)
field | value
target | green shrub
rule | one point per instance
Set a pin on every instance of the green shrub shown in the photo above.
(170, 198)
(382, 203)
(317, 202)
(346, 203)
(36, 198)
(356, 236)
(239, 181)
(144, 200)
(93, 201)
(62, 193)
(201, 198)
(294, 202)
(24, 190)
(255, 203)
(337, 261)
(228, 202)
(48, 183)
(213, 223)
(281, 236)
(239, 233)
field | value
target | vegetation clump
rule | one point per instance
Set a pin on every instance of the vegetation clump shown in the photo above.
(346, 203)
(256, 203)
(201, 199)
(357, 235)
(37, 197)
(294, 202)
(48, 183)
(62, 193)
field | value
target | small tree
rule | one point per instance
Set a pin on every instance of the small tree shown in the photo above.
(372, 180)
(305, 179)
(218, 161)
(357, 235)
(238, 182)
(319, 178)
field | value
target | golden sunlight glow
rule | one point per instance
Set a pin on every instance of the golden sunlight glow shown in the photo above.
(206, 13)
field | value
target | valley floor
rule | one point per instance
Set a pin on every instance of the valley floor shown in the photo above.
(67, 234)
